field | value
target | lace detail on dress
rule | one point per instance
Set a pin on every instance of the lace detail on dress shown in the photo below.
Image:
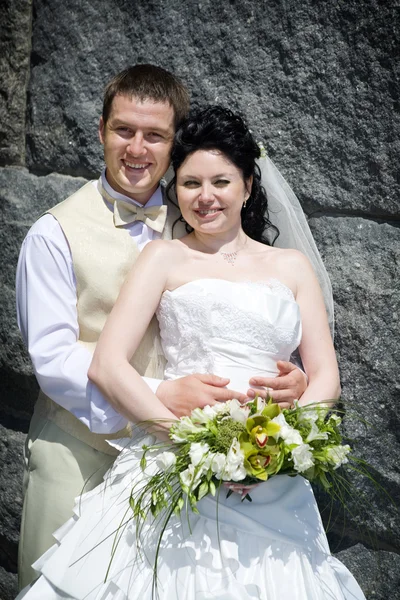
(202, 321)
(182, 328)
(276, 287)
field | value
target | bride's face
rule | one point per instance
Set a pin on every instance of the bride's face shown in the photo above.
(211, 191)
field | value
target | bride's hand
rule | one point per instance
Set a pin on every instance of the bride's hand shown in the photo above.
(288, 386)
(183, 395)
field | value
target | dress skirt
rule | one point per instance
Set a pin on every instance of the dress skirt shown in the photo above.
(272, 548)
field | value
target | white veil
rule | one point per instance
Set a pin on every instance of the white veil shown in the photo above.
(286, 213)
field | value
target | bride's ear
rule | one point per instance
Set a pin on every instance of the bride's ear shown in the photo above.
(249, 185)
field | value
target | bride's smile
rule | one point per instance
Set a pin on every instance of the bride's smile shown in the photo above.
(211, 191)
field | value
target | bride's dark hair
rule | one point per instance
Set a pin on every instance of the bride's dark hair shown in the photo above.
(218, 128)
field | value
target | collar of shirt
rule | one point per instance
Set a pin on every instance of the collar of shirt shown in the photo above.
(155, 200)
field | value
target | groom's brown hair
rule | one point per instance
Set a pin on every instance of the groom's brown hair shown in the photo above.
(148, 82)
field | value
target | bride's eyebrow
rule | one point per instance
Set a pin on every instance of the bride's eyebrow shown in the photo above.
(218, 176)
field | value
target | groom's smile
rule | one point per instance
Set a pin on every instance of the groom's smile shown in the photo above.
(137, 139)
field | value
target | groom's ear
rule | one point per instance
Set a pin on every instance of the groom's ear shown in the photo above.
(101, 130)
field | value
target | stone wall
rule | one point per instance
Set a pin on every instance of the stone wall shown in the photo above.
(319, 83)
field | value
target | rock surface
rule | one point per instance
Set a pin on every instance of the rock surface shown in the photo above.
(319, 83)
(11, 448)
(15, 49)
(23, 198)
(377, 572)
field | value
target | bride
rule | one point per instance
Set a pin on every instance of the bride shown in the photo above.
(227, 303)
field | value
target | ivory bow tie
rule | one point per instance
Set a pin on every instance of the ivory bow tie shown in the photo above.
(152, 216)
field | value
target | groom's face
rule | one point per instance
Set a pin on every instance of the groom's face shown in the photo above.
(137, 139)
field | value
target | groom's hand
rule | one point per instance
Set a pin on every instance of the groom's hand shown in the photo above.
(289, 385)
(185, 394)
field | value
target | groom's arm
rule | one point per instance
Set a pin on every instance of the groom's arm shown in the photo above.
(47, 317)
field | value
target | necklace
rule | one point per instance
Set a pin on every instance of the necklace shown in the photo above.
(230, 257)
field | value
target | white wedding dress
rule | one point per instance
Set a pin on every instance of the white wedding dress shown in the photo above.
(273, 548)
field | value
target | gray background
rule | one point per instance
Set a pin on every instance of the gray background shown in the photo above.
(319, 83)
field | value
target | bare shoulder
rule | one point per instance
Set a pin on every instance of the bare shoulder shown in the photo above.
(290, 266)
(284, 257)
(162, 249)
(293, 259)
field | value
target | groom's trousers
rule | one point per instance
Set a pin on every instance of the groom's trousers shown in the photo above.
(58, 468)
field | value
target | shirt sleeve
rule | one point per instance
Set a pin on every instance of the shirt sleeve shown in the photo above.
(47, 318)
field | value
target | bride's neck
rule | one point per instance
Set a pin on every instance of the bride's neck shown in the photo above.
(230, 241)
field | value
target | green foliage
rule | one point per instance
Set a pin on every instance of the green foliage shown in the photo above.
(227, 431)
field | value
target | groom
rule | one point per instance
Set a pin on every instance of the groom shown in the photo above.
(71, 267)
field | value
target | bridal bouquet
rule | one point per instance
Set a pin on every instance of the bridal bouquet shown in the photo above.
(239, 445)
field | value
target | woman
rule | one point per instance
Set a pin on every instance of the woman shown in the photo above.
(230, 304)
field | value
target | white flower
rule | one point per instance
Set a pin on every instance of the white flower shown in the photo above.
(213, 411)
(291, 436)
(220, 407)
(200, 416)
(238, 412)
(316, 434)
(183, 428)
(186, 476)
(234, 466)
(190, 477)
(311, 413)
(197, 452)
(237, 474)
(308, 415)
(336, 419)
(260, 404)
(218, 464)
(166, 460)
(337, 455)
(263, 152)
(287, 433)
(302, 458)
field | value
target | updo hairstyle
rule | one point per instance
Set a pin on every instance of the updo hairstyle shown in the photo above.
(218, 128)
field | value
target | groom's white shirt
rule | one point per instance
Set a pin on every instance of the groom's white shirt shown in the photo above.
(45, 270)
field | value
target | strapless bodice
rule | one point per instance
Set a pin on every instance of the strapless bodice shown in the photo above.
(231, 329)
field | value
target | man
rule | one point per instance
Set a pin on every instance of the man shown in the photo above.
(72, 265)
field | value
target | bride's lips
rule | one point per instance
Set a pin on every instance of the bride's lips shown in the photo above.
(207, 213)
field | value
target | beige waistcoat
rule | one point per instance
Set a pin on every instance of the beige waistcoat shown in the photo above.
(102, 255)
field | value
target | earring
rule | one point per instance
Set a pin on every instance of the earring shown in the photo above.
(245, 202)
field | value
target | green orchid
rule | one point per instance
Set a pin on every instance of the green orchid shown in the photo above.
(259, 462)
(255, 466)
(260, 427)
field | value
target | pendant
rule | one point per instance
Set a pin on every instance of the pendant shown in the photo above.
(230, 257)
